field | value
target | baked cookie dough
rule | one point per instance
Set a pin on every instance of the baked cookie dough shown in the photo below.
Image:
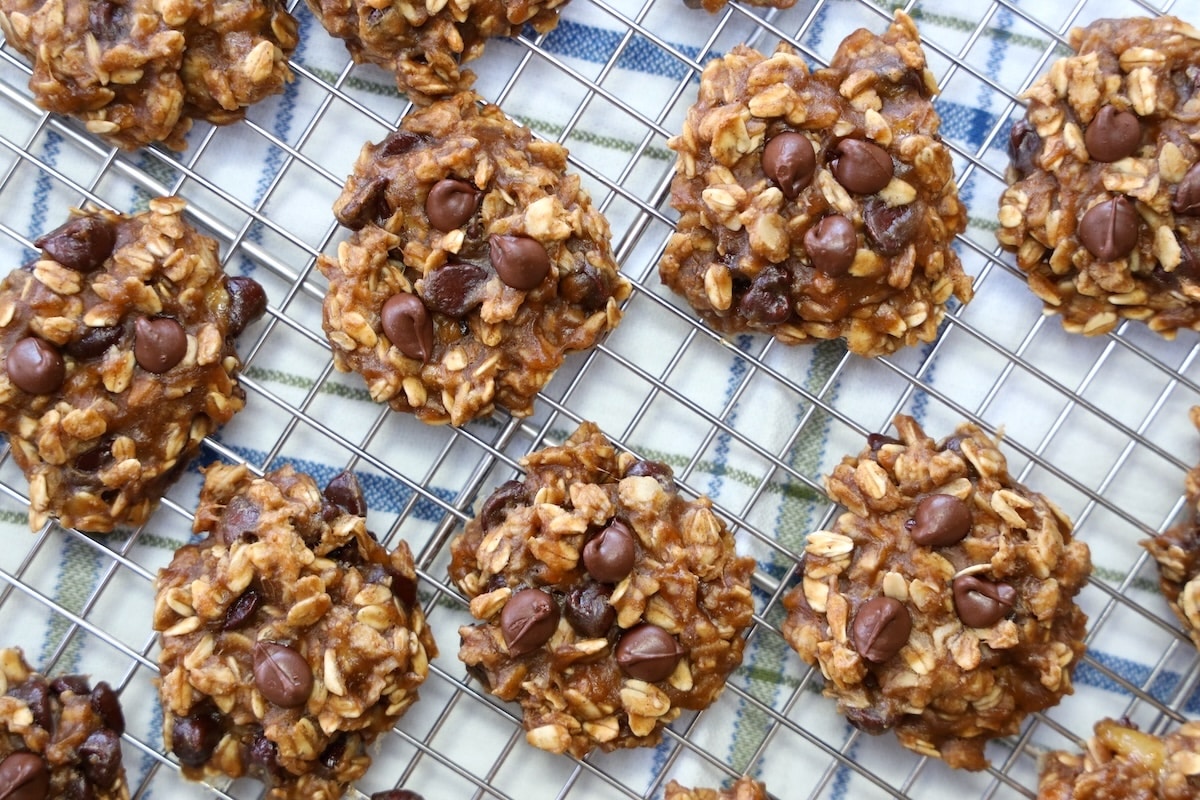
(476, 263)
(818, 205)
(941, 603)
(426, 43)
(1123, 763)
(140, 71)
(118, 359)
(607, 602)
(742, 789)
(59, 737)
(290, 638)
(1103, 211)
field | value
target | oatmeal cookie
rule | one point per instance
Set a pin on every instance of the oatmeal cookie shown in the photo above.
(818, 205)
(608, 603)
(1177, 551)
(290, 638)
(117, 344)
(1123, 763)
(140, 71)
(742, 789)
(1103, 210)
(426, 43)
(475, 264)
(941, 604)
(59, 737)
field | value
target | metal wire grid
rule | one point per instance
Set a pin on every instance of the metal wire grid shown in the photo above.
(1110, 453)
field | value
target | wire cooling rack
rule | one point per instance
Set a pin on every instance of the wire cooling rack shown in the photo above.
(1099, 425)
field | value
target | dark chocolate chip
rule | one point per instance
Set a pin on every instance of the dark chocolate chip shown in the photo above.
(247, 302)
(788, 159)
(1112, 135)
(1109, 230)
(34, 366)
(653, 469)
(399, 142)
(76, 684)
(455, 288)
(91, 460)
(648, 653)
(345, 492)
(861, 166)
(588, 611)
(831, 245)
(450, 204)
(407, 324)
(609, 555)
(520, 261)
(23, 776)
(890, 228)
(35, 693)
(509, 494)
(363, 203)
(405, 588)
(94, 342)
(981, 603)
(335, 753)
(878, 440)
(194, 737)
(1187, 195)
(238, 519)
(104, 702)
(940, 521)
(241, 610)
(881, 627)
(101, 757)
(82, 244)
(1024, 147)
(396, 794)
(528, 620)
(282, 674)
(159, 343)
(768, 301)
(585, 287)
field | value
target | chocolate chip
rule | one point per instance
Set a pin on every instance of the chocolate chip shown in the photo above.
(585, 287)
(194, 737)
(890, 228)
(247, 302)
(588, 611)
(1112, 135)
(76, 684)
(450, 204)
(653, 469)
(159, 343)
(34, 366)
(35, 693)
(509, 494)
(768, 301)
(609, 555)
(1024, 147)
(363, 203)
(831, 245)
(861, 166)
(881, 627)
(648, 653)
(981, 603)
(521, 262)
(345, 492)
(878, 440)
(940, 521)
(396, 794)
(23, 776)
(105, 703)
(241, 610)
(101, 757)
(94, 342)
(334, 754)
(1187, 195)
(404, 588)
(238, 519)
(407, 324)
(789, 160)
(82, 244)
(399, 142)
(1109, 230)
(282, 674)
(528, 620)
(455, 288)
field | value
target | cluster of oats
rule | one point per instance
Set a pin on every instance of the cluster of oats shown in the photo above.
(741, 789)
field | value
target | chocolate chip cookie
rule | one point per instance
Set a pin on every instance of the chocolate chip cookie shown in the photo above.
(290, 638)
(117, 345)
(1124, 763)
(140, 71)
(476, 263)
(818, 205)
(59, 737)
(742, 789)
(940, 605)
(426, 43)
(608, 603)
(1103, 210)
